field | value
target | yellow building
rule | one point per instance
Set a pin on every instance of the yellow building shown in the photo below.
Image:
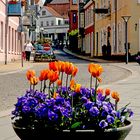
(110, 27)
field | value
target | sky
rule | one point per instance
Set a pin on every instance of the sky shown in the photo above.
(43, 1)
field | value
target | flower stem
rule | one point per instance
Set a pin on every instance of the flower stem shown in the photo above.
(49, 90)
(72, 100)
(116, 105)
(95, 93)
(91, 85)
(41, 87)
(44, 86)
(67, 81)
(30, 86)
(33, 87)
(61, 79)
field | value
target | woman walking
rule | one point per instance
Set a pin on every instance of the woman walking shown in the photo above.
(28, 49)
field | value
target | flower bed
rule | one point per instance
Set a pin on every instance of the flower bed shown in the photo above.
(62, 104)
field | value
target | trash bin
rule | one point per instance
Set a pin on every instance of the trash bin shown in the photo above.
(104, 50)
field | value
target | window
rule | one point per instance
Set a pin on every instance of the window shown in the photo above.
(66, 22)
(74, 1)
(59, 22)
(52, 23)
(82, 19)
(41, 23)
(47, 23)
(74, 17)
(43, 13)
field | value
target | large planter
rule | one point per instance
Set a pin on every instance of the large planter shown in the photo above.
(109, 134)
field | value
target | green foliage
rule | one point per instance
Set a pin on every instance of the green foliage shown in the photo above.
(75, 125)
(74, 32)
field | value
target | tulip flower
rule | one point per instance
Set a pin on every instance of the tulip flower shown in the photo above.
(68, 68)
(30, 73)
(33, 80)
(53, 66)
(53, 76)
(59, 82)
(75, 70)
(43, 75)
(72, 83)
(55, 95)
(107, 92)
(115, 96)
(77, 88)
(95, 70)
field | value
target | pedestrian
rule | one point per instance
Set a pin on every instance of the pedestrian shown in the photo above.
(28, 49)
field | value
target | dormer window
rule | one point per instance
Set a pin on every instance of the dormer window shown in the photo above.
(43, 13)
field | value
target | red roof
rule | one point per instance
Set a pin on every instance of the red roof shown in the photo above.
(53, 12)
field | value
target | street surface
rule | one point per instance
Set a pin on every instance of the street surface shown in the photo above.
(15, 84)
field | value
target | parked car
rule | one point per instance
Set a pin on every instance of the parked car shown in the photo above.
(43, 55)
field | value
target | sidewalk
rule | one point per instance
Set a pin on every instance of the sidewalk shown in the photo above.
(128, 88)
(14, 66)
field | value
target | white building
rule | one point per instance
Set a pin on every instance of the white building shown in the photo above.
(53, 25)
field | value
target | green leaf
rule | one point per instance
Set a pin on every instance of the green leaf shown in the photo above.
(75, 125)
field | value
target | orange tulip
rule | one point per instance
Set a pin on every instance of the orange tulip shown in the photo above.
(53, 76)
(34, 80)
(77, 88)
(72, 83)
(59, 82)
(43, 75)
(75, 70)
(30, 73)
(68, 68)
(115, 95)
(99, 79)
(100, 90)
(95, 70)
(53, 66)
(107, 92)
(61, 66)
(55, 95)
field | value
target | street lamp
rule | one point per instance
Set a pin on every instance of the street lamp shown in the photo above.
(126, 18)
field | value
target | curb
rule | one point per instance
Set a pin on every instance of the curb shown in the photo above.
(86, 58)
(17, 70)
(103, 61)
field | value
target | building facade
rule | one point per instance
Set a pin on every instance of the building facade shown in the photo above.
(10, 49)
(89, 28)
(60, 6)
(73, 15)
(110, 27)
(104, 26)
(53, 25)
